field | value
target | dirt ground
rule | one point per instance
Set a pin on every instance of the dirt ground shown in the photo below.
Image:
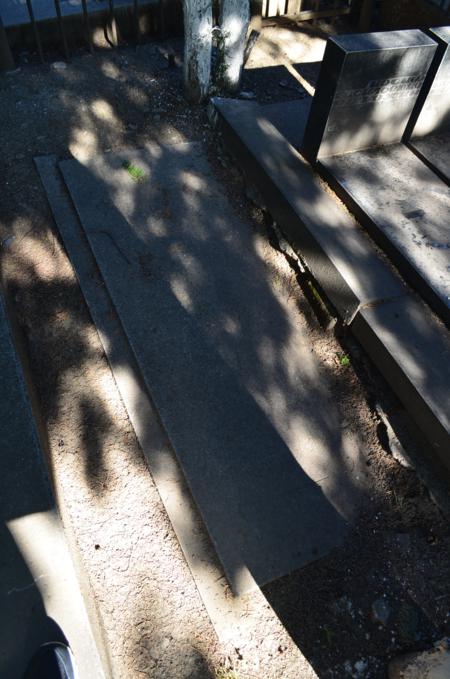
(385, 591)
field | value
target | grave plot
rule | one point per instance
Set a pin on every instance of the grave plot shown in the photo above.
(365, 96)
(246, 405)
(406, 341)
(429, 135)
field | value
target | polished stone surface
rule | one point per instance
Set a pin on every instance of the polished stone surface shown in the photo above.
(405, 206)
(430, 137)
(290, 118)
(434, 150)
(412, 350)
(367, 88)
(246, 405)
(341, 258)
(407, 343)
(434, 115)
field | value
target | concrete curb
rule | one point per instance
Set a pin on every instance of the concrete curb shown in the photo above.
(47, 547)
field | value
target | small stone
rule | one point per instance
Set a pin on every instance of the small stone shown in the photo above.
(8, 241)
(361, 667)
(381, 611)
(247, 95)
(59, 65)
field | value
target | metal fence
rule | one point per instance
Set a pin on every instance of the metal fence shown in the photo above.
(86, 18)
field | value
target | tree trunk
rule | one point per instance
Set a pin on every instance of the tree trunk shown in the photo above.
(197, 48)
(234, 22)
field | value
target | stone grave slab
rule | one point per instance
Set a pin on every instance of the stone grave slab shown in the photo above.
(405, 207)
(430, 135)
(367, 88)
(245, 404)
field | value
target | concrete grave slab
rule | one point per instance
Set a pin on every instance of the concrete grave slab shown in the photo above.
(367, 88)
(245, 405)
(229, 615)
(429, 133)
(405, 207)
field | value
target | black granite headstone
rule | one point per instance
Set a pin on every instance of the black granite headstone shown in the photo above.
(429, 127)
(434, 115)
(367, 88)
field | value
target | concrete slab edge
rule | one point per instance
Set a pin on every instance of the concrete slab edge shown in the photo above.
(68, 591)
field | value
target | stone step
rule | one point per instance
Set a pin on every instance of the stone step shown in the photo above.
(409, 345)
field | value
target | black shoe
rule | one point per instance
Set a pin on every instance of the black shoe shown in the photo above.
(52, 661)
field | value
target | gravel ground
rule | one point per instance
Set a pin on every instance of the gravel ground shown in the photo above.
(384, 592)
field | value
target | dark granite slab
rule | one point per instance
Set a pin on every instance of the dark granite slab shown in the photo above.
(412, 350)
(429, 128)
(367, 88)
(408, 344)
(433, 111)
(338, 253)
(434, 150)
(290, 118)
(405, 207)
(245, 404)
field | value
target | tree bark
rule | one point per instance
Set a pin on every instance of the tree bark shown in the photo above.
(197, 48)
(234, 23)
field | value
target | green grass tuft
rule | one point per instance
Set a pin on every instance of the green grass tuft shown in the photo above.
(135, 172)
(344, 360)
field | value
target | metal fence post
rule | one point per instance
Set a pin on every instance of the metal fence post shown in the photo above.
(6, 58)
